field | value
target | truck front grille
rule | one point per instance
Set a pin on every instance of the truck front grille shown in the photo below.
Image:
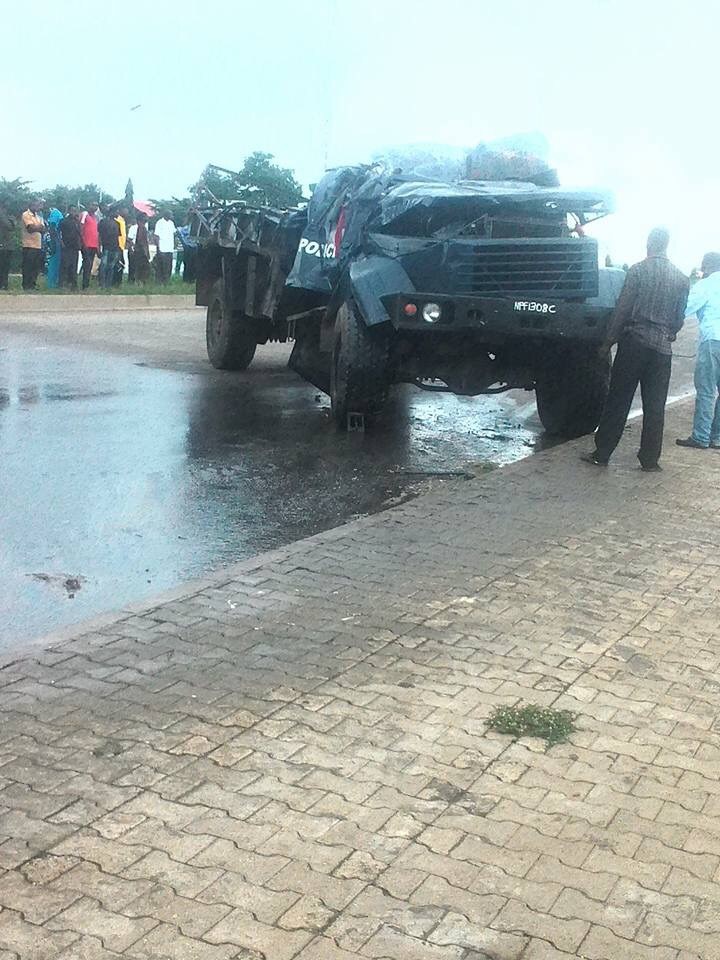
(558, 268)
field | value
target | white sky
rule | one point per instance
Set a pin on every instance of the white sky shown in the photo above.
(623, 90)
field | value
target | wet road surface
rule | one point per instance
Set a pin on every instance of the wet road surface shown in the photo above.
(129, 465)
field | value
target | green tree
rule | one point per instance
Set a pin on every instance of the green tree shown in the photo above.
(260, 182)
(15, 194)
(214, 183)
(62, 196)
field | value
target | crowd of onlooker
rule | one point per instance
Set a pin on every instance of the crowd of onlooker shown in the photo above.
(105, 242)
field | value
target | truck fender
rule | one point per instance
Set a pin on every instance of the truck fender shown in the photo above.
(610, 283)
(371, 278)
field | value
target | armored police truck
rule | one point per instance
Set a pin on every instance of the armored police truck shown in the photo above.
(473, 287)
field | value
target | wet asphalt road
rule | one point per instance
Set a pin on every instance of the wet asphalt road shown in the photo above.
(129, 465)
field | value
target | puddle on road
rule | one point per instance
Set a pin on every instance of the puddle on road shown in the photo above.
(142, 477)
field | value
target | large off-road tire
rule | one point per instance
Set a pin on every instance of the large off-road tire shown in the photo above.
(571, 392)
(359, 372)
(231, 344)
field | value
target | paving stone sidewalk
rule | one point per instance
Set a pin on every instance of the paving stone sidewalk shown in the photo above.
(291, 760)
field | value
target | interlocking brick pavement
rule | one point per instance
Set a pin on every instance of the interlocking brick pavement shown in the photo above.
(290, 760)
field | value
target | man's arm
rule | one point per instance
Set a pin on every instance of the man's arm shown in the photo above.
(696, 300)
(623, 308)
(682, 300)
(33, 227)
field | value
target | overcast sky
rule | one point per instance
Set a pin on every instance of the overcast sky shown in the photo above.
(623, 91)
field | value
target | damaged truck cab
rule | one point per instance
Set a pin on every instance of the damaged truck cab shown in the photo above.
(471, 287)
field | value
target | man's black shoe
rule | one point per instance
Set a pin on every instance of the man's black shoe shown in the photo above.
(651, 468)
(715, 446)
(690, 442)
(594, 459)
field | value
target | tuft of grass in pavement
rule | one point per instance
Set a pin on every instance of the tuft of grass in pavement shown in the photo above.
(530, 720)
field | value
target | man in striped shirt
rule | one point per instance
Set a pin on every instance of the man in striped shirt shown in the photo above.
(647, 319)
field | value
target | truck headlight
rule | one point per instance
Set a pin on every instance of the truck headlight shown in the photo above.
(431, 312)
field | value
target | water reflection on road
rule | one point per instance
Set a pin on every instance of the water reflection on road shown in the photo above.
(130, 479)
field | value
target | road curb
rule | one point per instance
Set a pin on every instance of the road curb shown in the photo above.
(187, 588)
(92, 302)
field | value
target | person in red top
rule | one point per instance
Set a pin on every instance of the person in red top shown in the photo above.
(90, 242)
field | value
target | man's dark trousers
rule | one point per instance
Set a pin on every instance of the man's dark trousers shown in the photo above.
(163, 267)
(32, 261)
(5, 256)
(88, 258)
(68, 268)
(635, 364)
(189, 259)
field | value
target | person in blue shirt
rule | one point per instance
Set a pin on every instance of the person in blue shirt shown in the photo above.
(54, 220)
(189, 253)
(704, 303)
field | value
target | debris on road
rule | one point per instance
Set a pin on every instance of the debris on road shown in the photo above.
(70, 584)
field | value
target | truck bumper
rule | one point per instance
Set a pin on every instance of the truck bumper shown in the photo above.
(499, 320)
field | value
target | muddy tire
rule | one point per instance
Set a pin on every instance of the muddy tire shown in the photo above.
(230, 344)
(571, 393)
(359, 372)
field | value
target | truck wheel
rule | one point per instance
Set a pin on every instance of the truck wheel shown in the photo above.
(571, 393)
(358, 376)
(230, 345)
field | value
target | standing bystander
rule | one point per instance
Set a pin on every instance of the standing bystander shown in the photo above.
(90, 242)
(109, 235)
(647, 318)
(54, 220)
(7, 245)
(130, 246)
(71, 237)
(141, 247)
(121, 220)
(33, 228)
(165, 241)
(704, 303)
(189, 245)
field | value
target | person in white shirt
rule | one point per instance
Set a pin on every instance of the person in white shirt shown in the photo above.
(131, 238)
(165, 242)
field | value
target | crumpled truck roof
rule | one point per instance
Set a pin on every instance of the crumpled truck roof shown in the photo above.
(486, 196)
